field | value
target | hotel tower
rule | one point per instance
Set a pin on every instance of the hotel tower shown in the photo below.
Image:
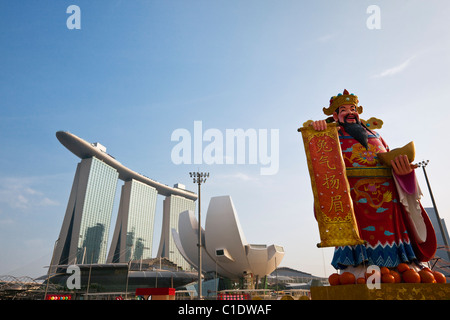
(84, 234)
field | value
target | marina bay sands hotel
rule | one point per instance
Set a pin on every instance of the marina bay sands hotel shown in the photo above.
(84, 234)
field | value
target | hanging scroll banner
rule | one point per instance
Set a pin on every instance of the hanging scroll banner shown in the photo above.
(333, 205)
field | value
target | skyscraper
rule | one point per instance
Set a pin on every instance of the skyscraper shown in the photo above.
(85, 230)
(84, 234)
(173, 206)
(133, 234)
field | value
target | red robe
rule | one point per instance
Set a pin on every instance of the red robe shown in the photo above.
(382, 220)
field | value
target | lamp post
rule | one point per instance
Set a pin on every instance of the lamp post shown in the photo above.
(423, 164)
(199, 178)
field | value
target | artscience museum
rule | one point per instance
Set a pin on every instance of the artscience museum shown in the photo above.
(225, 249)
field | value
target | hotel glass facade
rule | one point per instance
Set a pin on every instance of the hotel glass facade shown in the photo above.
(84, 232)
(97, 211)
(84, 236)
(173, 206)
(141, 219)
(133, 235)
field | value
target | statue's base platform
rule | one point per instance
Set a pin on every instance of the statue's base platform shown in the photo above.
(387, 291)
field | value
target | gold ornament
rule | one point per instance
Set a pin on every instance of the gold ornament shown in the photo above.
(340, 100)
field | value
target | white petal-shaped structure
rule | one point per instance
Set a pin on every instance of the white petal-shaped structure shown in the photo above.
(186, 241)
(225, 248)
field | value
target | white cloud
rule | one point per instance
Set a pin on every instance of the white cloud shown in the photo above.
(6, 222)
(47, 202)
(325, 38)
(394, 70)
(35, 243)
(237, 176)
(17, 193)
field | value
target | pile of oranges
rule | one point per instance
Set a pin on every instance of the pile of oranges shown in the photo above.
(403, 274)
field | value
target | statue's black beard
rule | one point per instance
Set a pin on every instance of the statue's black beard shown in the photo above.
(357, 131)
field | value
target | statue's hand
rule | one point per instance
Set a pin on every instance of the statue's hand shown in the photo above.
(401, 165)
(319, 125)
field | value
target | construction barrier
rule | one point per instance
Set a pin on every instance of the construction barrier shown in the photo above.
(155, 293)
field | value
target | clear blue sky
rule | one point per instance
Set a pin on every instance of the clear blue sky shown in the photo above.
(138, 70)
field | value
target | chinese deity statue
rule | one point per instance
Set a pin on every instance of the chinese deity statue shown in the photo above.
(390, 220)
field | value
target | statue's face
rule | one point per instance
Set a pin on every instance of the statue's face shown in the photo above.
(347, 114)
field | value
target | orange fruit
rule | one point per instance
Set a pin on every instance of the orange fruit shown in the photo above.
(439, 277)
(411, 276)
(384, 270)
(426, 276)
(397, 276)
(361, 281)
(334, 279)
(347, 278)
(387, 278)
(375, 274)
(402, 267)
(368, 274)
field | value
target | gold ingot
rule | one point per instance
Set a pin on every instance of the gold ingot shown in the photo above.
(408, 150)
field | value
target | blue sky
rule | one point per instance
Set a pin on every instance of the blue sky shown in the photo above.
(138, 70)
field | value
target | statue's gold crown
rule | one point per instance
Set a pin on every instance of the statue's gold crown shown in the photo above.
(340, 100)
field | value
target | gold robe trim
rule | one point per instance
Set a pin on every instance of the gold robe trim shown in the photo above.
(369, 172)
